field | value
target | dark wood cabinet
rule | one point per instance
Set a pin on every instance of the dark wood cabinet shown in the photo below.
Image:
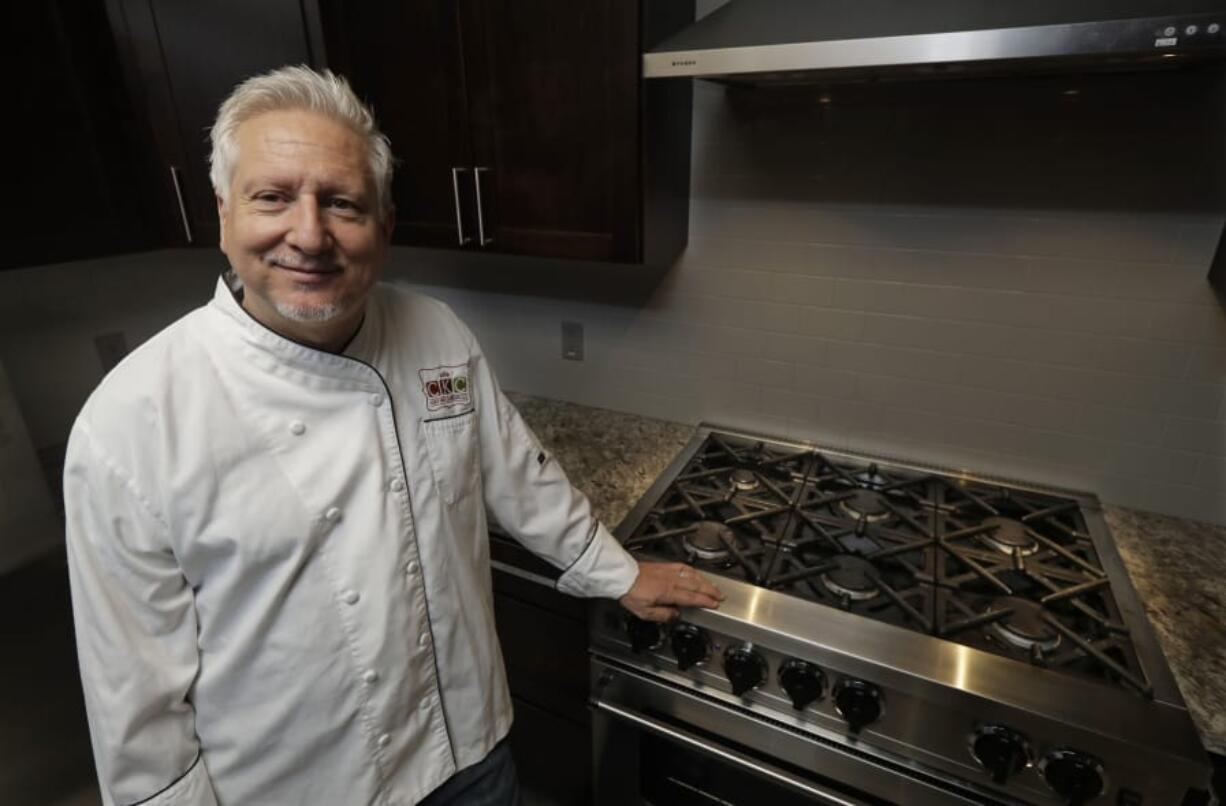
(522, 128)
(554, 109)
(76, 189)
(525, 127)
(182, 58)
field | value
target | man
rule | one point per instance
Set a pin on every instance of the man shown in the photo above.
(277, 506)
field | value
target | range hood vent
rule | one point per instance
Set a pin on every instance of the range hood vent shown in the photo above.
(807, 41)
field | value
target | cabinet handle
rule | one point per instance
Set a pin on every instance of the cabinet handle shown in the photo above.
(459, 218)
(187, 227)
(481, 239)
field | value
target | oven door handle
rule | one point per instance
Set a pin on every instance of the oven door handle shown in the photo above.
(740, 760)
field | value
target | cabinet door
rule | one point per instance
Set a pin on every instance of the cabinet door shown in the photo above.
(186, 56)
(74, 185)
(403, 57)
(554, 104)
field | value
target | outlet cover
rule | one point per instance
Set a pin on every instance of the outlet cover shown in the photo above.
(572, 341)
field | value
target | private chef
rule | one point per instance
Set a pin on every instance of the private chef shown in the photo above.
(276, 507)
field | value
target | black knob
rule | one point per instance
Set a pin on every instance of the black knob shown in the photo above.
(644, 635)
(858, 702)
(690, 645)
(745, 668)
(802, 681)
(1002, 751)
(1072, 774)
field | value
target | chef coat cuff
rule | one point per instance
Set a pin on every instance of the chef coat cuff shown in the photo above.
(604, 569)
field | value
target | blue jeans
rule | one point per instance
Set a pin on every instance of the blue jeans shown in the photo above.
(489, 782)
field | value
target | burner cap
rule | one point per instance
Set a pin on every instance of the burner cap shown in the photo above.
(868, 505)
(709, 542)
(744, 480)
(1024, 628)
(853, 578)
(871, 476)
(1009, 536)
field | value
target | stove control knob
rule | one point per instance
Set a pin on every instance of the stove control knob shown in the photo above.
(1002, 751)
(858, 702)
(745, 668)
(802, 681)
(644, 635)
(1074, 775)
(690, 645)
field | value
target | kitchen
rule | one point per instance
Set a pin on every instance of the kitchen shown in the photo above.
(998, 276)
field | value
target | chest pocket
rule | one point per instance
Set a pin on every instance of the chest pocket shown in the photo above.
(454, 455)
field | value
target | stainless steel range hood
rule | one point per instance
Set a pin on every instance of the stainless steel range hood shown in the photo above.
(770, 41)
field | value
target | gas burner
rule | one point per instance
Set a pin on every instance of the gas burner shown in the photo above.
(1025, 627)
(709, 543)
(867, 505)
(1009, 536)
(744, 480)
(853, 578)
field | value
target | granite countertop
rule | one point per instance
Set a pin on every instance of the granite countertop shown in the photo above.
(1176, 565)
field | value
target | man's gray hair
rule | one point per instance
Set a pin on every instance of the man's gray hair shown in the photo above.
(297, 88)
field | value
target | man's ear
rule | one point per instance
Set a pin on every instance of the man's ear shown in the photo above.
(221, 220)
(389, 223)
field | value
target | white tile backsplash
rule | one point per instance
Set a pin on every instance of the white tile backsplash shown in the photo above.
(926, 282)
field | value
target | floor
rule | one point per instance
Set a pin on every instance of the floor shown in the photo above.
(45, 757)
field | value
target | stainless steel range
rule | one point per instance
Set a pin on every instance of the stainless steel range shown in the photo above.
(891, 634)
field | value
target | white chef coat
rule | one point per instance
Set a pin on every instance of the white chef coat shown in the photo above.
(280, 564)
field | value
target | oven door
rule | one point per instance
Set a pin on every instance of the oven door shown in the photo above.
(654, 743)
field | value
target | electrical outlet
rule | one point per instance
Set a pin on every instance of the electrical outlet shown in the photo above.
(572, 341)
(111, 347)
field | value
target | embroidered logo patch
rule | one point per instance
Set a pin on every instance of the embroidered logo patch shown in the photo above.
(445, 387)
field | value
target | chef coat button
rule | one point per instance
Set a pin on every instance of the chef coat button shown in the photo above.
(423, 639)
(351, 597)
(384, 740)
(297, 428)
(410, 567)
(370, 676)
(376, 399)
(333, 514)
(397, 485)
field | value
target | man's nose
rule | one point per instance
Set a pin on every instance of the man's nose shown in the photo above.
(307, 230)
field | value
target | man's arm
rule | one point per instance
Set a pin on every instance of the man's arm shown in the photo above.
(136, 636)
(529, 494)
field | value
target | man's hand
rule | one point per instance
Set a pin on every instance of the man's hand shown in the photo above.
(660, 587)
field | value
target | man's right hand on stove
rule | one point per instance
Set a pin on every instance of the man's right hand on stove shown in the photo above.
(661, 588)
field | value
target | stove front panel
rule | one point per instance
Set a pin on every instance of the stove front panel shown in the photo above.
(916, 702)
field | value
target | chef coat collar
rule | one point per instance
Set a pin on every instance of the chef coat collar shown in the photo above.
(353, 362)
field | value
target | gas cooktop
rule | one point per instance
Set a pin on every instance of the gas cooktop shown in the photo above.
(938, 636)
(1005, 570)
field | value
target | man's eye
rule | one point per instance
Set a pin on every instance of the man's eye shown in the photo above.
(342, 204)
(269, 198)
